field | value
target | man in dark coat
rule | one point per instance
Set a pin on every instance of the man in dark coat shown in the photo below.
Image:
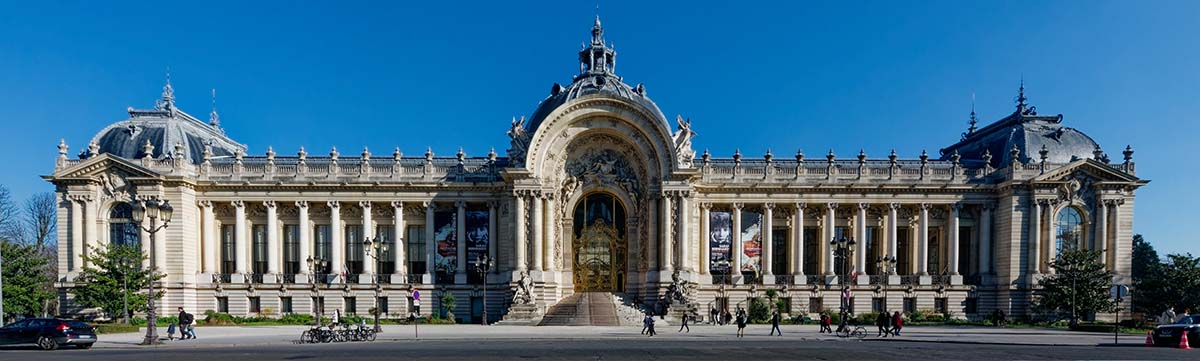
(884, 322)
(775, 317)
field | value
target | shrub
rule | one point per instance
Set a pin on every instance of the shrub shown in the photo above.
(867, 318)
(296, 319)
(760, 312)
(109, 328)
(212, 318)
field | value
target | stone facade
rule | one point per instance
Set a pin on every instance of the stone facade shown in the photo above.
(969, 232)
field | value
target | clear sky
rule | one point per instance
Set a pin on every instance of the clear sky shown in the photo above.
(787, 75)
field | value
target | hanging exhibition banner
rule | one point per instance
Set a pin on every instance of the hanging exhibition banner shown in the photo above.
(477, 235)
(751, 241)
(444, 235)
(720, 241)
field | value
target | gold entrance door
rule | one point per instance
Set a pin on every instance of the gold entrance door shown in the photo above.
(599, 259)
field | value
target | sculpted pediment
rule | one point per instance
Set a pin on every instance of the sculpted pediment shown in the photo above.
(1089, 168)
(104, 165)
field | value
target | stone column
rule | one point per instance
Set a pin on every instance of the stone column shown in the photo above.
(1047, 222)
(460, 246)
(952, 258)
(273, 248)
(338, 245)
(549, 232)
(430, 244)
(985, 238)
(368, 232)
(91, 239)
(735, 254)
(1101, 235)
(492, 233)
(923, 241)
(400, 246)
(306, 241)
(685, 242)
(535, 233)
(520, 228)
(830, 232)
(893, 249)
(705, 247)
(798, 243)
(860, 230)
(239, 237)
(666, 261)
(208, 229)
(768, 251)
(1115, 238)
(1035, 237)
(76, 235)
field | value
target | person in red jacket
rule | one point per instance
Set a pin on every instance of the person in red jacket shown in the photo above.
(897, 323)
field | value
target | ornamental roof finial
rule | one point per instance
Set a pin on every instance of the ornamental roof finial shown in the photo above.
(597, 32)
(168, 94)
(1021, 98)
(974, 121)
(214, 119)
(62, 148)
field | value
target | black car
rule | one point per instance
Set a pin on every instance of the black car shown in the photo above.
(1171, 334)
(48, 333)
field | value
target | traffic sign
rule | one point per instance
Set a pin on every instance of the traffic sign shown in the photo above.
(416, 294)
(1118, 291)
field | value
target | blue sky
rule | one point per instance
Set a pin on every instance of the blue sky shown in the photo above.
(787, 75)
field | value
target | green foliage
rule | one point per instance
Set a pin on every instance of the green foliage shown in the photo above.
(1176, 285)
(27, 281)
(448, 304)
(1080, 284)
(108, 328)
(296, 319)
(1147, 268)
(923, 315)
(760, 311)
(212, 318)
(867, 318)
(100, 284)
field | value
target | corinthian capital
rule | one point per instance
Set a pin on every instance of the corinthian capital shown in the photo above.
(238, 204)
(737, 206)
(301, 204)
(205, 204)
(333, 204)
(365, 204)
(269, 204)
(398, 204)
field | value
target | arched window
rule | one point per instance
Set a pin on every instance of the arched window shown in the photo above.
(1070, 229)
(121, 229)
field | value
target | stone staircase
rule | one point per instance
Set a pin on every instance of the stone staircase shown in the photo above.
(583, 309)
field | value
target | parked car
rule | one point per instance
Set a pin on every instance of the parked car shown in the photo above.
(1171, 334)
(48, 333)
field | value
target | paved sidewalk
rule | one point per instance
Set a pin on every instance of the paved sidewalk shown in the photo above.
(233, 336)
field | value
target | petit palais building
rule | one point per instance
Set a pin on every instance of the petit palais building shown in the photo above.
(599, 198)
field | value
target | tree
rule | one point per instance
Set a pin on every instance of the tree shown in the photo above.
(10, 222)
(1146, 268)
(111, 274)
(26, 274)
(1176, 285)
(449, 303)
(1080, 285)
(41, 213)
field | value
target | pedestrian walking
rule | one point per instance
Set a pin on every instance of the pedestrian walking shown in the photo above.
(741, 324)
(171, 331)
(684, 324)
(713, 314)
(825, 322)
(651, 332)
(185, 325)
(897, 323)
(775, 317)
(726, 317)
(1167, 317)
(646, 323)
(884, 322)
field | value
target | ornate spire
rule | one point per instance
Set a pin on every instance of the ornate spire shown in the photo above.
(214, 119)
(973, 121)
(168, 94)
(1021, 97)
(597, 58)
(597, 32)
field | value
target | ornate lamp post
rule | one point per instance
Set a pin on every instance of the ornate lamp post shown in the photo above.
(125, 264)
(375, 248)
(887, 265)
(483, 265)
(152, 210)
(843, 248)
(1071, 267)
(313, 265)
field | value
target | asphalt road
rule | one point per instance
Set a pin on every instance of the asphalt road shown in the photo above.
(614, 349)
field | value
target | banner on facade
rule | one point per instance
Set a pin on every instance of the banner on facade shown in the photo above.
(446, 237)
(720, 241)
(751, 242)
(477, 235)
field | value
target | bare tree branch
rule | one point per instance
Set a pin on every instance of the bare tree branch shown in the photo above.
(10, 222)
(41, 218)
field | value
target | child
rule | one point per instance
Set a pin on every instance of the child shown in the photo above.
(171, 332)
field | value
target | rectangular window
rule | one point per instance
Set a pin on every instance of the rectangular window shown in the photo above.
(972, 306)
(383, 306)
(814, 305)
(878, 304)
(941, 305)
(354, 249)
(255, 305)
(223, 304)
(351, 306)
(779, 261)
(874, 251)
(811, 251)
(910, 304)
(903, 252)
(966, 264)
(291, 249)
(416, 250)
(387, 264)
(323, 240)
(285, 305)
(840, 266)
(935, 251)
(228, 254)
(260, 249)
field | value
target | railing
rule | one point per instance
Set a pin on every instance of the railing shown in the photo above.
(351, 278)
(722, 279)
(784, 279)
(909, 280)
(814, 279)
(289, 278)
(414, 279)
(878, 279)
(222, 278)
(385, 278)
(939, 279)
(255, 278)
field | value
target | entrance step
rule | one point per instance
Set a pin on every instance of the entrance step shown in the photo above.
(583, 309)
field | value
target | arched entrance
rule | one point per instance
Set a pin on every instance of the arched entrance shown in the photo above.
(599, 245)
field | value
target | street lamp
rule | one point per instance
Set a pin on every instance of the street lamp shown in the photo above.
(152, 210)
(375, 248)
(483, 265)
(313, 265)
(125, 263)
(887, 265)
(843, 248)
(1071, 267)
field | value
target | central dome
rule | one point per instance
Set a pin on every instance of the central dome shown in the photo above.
(597, 77)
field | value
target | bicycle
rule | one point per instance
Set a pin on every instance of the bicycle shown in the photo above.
(846, 331)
